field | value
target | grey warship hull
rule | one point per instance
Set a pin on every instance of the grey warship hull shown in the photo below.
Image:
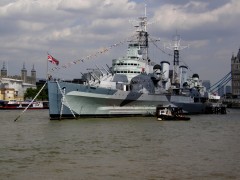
(68, 100)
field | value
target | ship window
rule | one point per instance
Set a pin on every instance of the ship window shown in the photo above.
(125, 71)
(131, 63)
(125, 63)
(121, 64)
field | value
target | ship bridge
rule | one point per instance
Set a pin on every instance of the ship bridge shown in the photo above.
(133, 64)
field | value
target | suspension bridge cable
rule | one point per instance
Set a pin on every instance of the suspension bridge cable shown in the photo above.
(214, 86)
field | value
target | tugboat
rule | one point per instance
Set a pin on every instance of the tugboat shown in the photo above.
(170, 114)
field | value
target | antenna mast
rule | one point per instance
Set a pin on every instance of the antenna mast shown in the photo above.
(176, 47)
(143, 34)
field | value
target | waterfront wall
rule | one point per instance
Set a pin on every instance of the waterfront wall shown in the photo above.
(231, 103)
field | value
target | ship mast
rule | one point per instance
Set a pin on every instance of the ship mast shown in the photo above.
(142, 34)
(176, 47)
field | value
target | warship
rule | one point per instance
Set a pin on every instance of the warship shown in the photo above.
(133, 86)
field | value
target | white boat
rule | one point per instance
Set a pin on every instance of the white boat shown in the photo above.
(17, 105)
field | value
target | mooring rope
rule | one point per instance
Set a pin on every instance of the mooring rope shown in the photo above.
(64, 99)
(31, 102)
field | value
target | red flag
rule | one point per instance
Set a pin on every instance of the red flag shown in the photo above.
(52, 60)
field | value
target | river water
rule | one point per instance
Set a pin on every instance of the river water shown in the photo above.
(34, 147)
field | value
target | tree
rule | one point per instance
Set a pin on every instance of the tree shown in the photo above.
(31, 93)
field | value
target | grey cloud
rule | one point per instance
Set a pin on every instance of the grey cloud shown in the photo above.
(71, 29)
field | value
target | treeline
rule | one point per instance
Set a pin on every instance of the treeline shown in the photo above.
(31, 93)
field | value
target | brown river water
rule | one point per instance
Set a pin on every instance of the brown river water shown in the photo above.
(34, 147)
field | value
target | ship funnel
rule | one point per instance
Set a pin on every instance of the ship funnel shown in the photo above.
(183, 75)
(165, 69)
(195, 78)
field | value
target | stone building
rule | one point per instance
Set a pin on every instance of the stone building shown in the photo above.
(3, 71)
(14, 87)
(235, 72)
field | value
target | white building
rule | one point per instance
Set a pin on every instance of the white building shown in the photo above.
(13, 89)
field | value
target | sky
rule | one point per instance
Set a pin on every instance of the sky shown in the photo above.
(70, 30)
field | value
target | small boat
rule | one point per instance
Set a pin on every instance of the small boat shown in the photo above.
(170, 114)
(17, 105)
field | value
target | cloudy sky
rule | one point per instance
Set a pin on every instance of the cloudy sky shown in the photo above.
(73, 29)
